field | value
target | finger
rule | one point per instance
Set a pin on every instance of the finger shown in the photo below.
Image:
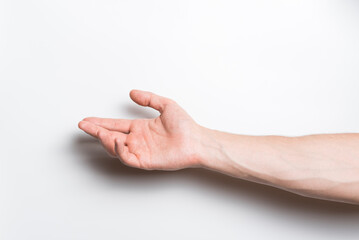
(106, 137)
(108, 140)
(149, 99)
(121, 125)
(91, 129)
(123, 153)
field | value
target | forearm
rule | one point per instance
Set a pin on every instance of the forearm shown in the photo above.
(321, 166)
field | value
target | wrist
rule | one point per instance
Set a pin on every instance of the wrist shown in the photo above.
(232, 154)
(212, 150)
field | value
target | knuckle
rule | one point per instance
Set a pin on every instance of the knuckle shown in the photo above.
(101, 134)
(149, 100)
(118, 146)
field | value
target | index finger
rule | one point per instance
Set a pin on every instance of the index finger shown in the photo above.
(121, 125)
(91, 129)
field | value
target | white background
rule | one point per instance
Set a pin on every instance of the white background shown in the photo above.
(249, 67)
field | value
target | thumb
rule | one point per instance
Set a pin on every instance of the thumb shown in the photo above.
(149, 99)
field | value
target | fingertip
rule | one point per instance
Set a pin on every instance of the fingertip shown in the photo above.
(84, 125)
(81, 124)
(136, 96)
(134, 92)
(88, 119)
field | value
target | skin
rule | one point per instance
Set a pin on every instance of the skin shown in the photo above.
(324, 166)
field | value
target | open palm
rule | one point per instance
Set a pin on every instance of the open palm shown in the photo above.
(170, 141)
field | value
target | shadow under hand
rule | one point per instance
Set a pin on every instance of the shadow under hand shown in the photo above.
(95, 157)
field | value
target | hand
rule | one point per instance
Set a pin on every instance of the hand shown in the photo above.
(169, 142)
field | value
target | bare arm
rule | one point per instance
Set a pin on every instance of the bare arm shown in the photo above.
(319, 166)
